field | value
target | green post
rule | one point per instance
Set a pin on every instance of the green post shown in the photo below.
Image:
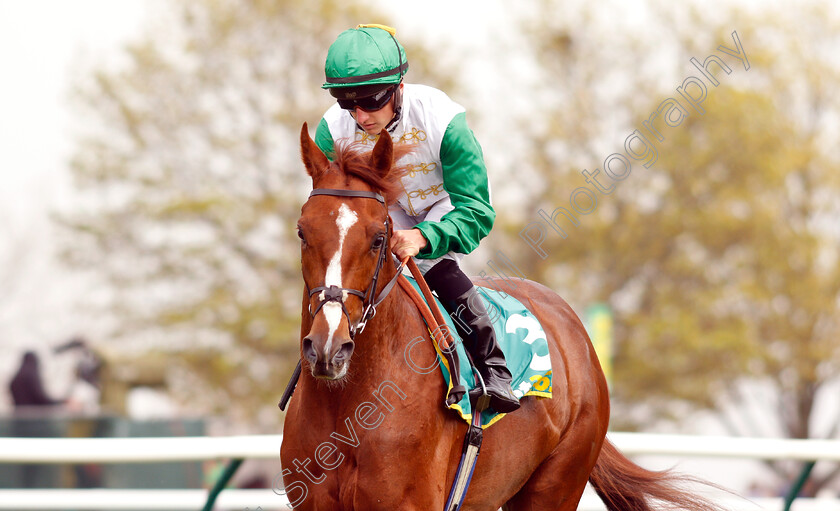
(797, 486)
(223, 480)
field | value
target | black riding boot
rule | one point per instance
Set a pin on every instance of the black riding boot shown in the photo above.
(454, 289)
(480, 342)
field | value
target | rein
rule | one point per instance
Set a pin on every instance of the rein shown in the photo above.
(339, 294)
(438, 328)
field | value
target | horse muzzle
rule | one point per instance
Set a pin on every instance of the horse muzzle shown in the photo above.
(327, 362)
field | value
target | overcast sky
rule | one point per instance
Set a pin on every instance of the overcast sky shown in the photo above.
(41, 41)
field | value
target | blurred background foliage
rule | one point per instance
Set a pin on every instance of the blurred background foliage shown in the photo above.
(190, 170)
(720, 261)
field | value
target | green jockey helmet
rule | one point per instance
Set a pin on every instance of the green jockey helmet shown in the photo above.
(363, 61)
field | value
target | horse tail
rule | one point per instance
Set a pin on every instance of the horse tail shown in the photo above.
(624, 486)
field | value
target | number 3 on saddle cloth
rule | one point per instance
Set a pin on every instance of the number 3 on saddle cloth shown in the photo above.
(523, 342)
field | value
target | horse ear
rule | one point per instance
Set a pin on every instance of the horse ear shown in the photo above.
(382, 156)
(313, 159)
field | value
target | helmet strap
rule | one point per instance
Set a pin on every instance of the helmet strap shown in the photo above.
(392, 125)
(397, 93)
(395, 120)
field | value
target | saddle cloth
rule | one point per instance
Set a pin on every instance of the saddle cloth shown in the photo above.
(523, 342)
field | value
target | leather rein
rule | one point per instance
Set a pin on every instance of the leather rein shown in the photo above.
(338, 294)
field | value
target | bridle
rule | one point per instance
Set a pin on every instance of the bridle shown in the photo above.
(337, 294)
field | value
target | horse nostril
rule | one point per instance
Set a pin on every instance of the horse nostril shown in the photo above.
(344, 353)
(309, 350)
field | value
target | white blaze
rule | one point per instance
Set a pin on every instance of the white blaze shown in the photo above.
(332, 311)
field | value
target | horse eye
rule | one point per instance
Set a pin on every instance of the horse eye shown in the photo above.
(378, 241)
(300, 235)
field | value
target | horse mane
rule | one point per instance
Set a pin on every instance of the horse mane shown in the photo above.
(353, 160)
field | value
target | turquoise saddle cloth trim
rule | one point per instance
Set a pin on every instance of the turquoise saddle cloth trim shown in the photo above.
(523, 342)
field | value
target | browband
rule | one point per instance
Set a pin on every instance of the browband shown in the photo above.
(348, 193)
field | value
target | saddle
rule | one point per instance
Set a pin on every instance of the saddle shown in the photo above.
(519, 334)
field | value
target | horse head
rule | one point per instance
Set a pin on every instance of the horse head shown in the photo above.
(345, 232)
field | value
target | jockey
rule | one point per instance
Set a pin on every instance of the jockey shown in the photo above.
(446, 209)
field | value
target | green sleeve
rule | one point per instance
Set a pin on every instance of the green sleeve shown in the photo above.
(465, 179)
(324, 140)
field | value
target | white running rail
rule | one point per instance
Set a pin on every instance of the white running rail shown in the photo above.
(146, 450)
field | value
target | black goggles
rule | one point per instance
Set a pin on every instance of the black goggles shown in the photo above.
(369, 103)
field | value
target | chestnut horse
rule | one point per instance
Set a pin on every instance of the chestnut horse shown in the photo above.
(373, 434)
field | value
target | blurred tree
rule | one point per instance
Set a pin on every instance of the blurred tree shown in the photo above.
(12, 257)
(721, 259)
(190, 168)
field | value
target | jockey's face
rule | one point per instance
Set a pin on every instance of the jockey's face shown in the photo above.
(374, 122)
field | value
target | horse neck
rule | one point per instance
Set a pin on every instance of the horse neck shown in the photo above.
(396, 323)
